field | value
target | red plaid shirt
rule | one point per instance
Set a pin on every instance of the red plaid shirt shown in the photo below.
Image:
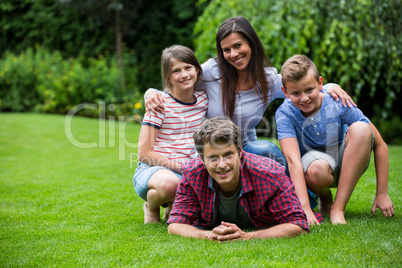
(267, 195)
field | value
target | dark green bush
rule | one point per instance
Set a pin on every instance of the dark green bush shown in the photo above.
(390, 129)
(17, 83)
(44, 82)
(78, 28)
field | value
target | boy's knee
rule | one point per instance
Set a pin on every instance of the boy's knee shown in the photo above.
(319, 173)
(360, 131)
(362, 126)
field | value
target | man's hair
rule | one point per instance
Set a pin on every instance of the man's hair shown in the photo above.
(296, 68)
(218, 131)
(180, 53)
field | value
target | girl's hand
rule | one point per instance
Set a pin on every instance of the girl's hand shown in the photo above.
(153, 102)
(337, 93)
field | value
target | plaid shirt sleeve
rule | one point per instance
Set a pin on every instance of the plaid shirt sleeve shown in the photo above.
(285, 206)
(270, 193)
(186, 207)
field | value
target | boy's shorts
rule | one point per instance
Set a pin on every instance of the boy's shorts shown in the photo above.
(142, 174)
(333, 156)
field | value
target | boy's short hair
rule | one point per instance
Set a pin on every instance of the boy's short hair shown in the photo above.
(296, 68)
(218, 131)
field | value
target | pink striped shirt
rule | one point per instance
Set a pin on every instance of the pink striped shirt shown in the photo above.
(177, 125)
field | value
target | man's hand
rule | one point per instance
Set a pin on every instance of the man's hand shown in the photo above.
(226, 232)
(153, 102)
(384, 203)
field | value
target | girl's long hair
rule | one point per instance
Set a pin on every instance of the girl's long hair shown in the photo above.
(181, 53)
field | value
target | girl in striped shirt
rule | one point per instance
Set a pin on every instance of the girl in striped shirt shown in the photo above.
(166, 139)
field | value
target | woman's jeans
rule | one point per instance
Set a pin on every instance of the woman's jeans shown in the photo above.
(267, 149)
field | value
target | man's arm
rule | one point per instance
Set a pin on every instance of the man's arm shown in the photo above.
(187, 230)
(281, 230)
(229, 231)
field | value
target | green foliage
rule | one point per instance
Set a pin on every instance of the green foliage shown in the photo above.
(78, 28)
(161, 24)
(45, 82)
(17, 80)
(65, 206)
(357, 43)
(390, 129)
(54, 26)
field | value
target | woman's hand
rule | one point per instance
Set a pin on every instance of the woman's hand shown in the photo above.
(153, 102)
(337, 93)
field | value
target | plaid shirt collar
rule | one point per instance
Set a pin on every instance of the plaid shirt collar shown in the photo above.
(245, 179)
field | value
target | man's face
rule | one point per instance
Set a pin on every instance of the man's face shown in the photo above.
(223, 164)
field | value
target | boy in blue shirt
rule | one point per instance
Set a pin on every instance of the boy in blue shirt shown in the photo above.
(320, 154)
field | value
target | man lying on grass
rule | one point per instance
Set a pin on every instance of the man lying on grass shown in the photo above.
(226, 191)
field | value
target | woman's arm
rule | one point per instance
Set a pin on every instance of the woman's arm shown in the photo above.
(381, 159)
(290, 148)
(146, 152)
(337, 93)
(153, 101)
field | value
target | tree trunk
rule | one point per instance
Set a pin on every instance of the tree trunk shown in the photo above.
(119, 45)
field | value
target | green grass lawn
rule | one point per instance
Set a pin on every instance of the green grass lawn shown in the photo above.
(62, 205)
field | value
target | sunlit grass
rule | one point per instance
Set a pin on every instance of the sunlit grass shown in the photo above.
(62, 205)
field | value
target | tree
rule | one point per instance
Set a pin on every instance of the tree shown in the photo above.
(52, 25)
(131, 30)
(162, 24)
(118, 14)
(144, 30)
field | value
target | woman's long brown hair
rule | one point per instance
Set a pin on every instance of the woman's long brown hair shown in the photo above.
(255, 68)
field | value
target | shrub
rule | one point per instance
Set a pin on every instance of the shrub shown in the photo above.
(41, 81)
(390, 129)
(17, 82)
